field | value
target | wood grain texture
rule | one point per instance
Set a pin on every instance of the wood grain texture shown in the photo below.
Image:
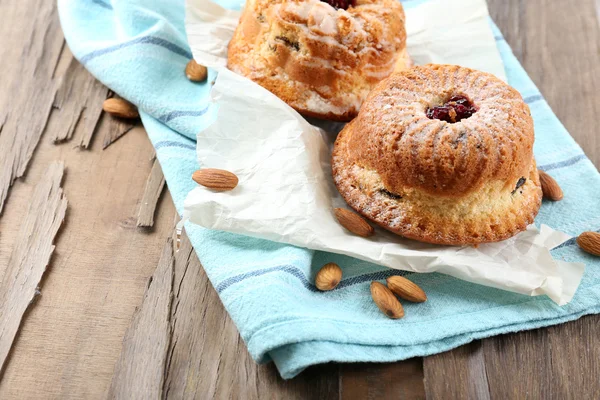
(560, 362)
(558, 43)
(31, 255)
(527, 353)
(154, 187)
(401, 380)
(114, 128)
(116, 131)
(71, 340)
(457, 374)
(139, 373)
(25, 104)
(75, 110)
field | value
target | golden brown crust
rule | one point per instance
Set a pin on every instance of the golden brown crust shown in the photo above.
(436, 181)
(321, 61)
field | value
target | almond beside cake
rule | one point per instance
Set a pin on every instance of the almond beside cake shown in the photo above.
(441, 154)
(322, 58)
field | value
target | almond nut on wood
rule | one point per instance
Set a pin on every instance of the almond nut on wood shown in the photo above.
(386, 301)
(590, 242)
(353, 222)
(328, 277)
(216, 179)
(195, 72)
(550, 188)
(406, 289)
(120, 108)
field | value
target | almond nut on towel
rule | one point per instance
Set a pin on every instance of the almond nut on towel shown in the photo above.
(386, 301)
(216, 179)
(328, 277)
(406, 289)
(590, 242)
(550, 188)
(195, 72)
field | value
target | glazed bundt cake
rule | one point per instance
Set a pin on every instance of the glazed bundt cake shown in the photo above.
(441, 154)
(322, 58)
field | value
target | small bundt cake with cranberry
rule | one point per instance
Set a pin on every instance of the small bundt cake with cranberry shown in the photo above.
(441, 154)
(322, 58)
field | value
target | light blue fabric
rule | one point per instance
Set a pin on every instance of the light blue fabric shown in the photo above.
(138, 48)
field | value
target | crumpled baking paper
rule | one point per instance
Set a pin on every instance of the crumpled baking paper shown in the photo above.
(286, 192)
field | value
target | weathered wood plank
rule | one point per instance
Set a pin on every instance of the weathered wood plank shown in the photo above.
(557, 43)
(154, 187)
(575, 359)
(116, 129)
(139, 373)
(69, 343)
(31, 255)
(520, 364)
(560, 362)
(25, 104)
(401, 380)
(75, 105)
(457, 374)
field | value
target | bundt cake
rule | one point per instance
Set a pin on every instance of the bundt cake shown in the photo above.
(441, 154)
(322, 58)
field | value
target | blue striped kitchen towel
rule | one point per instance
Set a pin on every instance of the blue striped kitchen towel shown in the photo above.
(138, 48)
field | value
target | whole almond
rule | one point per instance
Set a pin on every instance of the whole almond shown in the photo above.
(328, 277)
(386, 301)
(353, 222)
(590, 242)
(216, 179)
(550, 189)
(120, 108)
(195, 72)
(406, 289)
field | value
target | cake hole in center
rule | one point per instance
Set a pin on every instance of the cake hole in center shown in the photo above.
(458, 107)
(343, 4)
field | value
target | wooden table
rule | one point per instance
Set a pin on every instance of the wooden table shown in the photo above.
(68, 343)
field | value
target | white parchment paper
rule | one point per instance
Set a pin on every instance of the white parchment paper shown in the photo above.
(286, 192)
